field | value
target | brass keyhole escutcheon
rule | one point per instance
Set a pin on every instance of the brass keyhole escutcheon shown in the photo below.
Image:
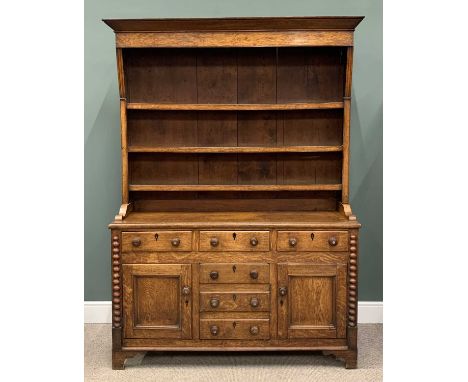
(234, 268)
(156, 236)
(234, 236)
(312, 236)
(186, 293)
(234, 324)
(234, 297)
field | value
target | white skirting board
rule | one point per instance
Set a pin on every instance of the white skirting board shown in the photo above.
(99, 312)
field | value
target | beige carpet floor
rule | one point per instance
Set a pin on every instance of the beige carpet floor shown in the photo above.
(232, 367)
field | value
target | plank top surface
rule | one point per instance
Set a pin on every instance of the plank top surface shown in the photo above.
(319, 219)
(347, 23)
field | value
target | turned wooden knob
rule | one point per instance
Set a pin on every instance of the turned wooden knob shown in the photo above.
(214, 330)
(175, 242)
(333, 241)
(292, 242)
(253, 242)
(136, 242)
(254, 274)
(254, 330)
(254, 302)
(214, 302)
(214, 241)
(214, 275)
(283, 291)
(186, 290)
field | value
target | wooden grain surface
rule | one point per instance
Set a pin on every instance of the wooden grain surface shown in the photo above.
(312, 241)
(235, 23)
(236, 106)
(157, 241)
(153, 305)
(235, 298)
(224, 149)
(235, 301)
(123, 151)
(326, 219)
(234, 241)
(233, 39)
(235, 273)
(235, 329)
(314, 305)
(228, 187)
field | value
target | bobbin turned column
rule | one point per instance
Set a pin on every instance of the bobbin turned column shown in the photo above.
(118, 356)
(349, 356)
(351, 359)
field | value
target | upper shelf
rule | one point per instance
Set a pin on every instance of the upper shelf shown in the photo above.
(235, 187)
(260, 106)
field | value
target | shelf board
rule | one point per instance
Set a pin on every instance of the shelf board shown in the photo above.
(235, 187)
(224, 149)
(260, 106)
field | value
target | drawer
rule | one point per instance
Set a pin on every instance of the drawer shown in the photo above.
(157, 241)
(234, 241)
(312, 241)
(235, 273)
(235, 298)
(242, 329)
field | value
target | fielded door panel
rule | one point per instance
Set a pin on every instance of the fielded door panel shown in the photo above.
(311, 301)
(157, 300)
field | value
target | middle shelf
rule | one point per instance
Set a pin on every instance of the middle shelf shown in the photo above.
(234, 150)
(265, 170)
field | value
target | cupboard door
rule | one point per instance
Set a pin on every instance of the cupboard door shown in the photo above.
(311, 301)
(157, 300)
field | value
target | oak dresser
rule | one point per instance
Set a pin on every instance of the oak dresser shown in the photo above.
(235, 231)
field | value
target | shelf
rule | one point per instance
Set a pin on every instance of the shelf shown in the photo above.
(242, 219)
(224, 149)
(235, 187)
(260, 106)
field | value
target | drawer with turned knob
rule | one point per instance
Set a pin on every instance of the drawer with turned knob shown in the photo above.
(312, 241)
(157, 241)
(235, 273)
(232, 328)
(234, 298)
(228, 241)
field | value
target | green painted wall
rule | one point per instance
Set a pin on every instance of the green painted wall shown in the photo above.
(102, 137)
